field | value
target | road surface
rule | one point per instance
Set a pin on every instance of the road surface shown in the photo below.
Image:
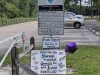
(94, 25)
(81, 36)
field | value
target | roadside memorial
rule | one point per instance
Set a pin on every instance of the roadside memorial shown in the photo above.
(51, 59)
(48, 61)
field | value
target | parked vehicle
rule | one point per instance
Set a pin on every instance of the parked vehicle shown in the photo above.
(70, 20)
(73, 14)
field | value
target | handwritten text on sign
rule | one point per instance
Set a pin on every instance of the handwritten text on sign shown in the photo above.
(51, 42)
(48, 62)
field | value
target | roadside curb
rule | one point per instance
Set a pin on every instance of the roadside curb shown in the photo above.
(93, 31)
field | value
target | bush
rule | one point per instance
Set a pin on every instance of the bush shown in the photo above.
(8, 9)
(17, 8)
(3, 15)
(11, 10)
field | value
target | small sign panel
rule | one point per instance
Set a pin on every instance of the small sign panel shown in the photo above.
(50, 17)
(51, 43)
(48, 61)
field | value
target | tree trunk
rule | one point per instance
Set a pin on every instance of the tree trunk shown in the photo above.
(91, 10)
(80, 6)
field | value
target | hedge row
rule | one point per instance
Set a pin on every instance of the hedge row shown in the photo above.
(4, 22)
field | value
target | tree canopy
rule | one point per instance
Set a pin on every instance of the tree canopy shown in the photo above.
(17, 8)
(28, 8)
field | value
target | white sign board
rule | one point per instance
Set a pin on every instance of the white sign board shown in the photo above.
(50, 17)
(48, 61)
(51, 43)
(50, 2)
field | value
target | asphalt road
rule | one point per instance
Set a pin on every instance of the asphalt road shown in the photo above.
(81, 36)
(94, 25)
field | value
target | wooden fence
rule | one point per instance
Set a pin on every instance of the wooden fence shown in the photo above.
(15, 56)
(16, 63)
(4, 22)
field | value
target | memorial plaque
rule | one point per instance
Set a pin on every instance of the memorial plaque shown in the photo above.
(50, 17)
(51, 43)
(48, 61)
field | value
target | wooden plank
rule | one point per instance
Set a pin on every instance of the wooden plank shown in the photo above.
(26, 51)
(25, 68)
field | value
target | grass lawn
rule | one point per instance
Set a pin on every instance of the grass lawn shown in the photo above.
(85, 61)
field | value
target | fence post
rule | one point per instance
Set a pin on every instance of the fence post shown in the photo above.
(32, 42)
(23, 40)
(14, 56)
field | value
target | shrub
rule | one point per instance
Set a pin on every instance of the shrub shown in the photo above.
(11, 11)
(8, 9)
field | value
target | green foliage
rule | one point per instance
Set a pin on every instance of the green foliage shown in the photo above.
(73, 6)
(17, 8)
(2, 5)
(27, 8)
(97, 3)
(24, 7)
(33, 9)
(11, 11)
(8, 9)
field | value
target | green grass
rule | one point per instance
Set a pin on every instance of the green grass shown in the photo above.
(85, 61)
(8, 60)
(26, 59)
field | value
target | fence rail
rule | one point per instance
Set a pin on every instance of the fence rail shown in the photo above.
(15, 39)
(8, 51)
(17, 36)
(15, 56)
(4, 22)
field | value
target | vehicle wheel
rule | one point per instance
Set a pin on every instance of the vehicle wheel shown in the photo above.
(77, 25)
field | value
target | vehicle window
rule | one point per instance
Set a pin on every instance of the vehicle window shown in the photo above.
(73, 14)
(66, 17)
